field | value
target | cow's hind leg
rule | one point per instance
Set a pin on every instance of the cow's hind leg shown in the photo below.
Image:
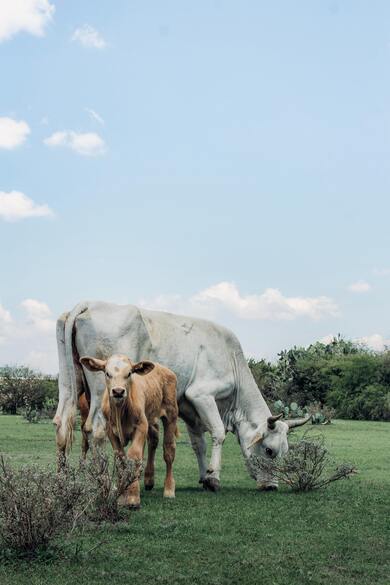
(66, 410)
(153, 433)
(169, 448)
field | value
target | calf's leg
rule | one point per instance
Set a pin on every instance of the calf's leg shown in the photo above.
(169, 448)
(153, 433)
(84, 411)
(136, 453)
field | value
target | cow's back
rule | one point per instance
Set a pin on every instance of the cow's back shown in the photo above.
(181, 343)
(186, 344)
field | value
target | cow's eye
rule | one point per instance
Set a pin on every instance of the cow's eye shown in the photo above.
(108, 375)
(269, 451)
(129, 374)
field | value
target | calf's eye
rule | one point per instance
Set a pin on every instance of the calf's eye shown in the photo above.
(269, 451)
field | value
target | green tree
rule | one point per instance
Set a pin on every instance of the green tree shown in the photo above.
(20, 387)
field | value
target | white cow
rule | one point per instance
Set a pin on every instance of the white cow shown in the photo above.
(215, 388)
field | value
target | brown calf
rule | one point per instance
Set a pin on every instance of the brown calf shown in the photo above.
(132, 404)
(83, 406)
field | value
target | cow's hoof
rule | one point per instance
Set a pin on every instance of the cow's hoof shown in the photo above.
(211, 484)
(267, 488)
(134, 506)
(149, 486)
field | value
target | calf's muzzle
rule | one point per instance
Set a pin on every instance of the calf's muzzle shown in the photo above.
(118, 392)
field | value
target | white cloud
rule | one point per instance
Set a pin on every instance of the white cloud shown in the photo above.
(89, 37)
(5, 316)
(13, 133)
(375, 341)
(269, 305)
(381, 271)
(15, 206)
(38, 315)
(86, 144)
(95, 116)
(359, 287)
(31, 339)
(327, 339)
(5, 323)
(31, 16)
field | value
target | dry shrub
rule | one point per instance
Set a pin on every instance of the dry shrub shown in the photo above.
(307, 466)
(108, 480)
(38, 505)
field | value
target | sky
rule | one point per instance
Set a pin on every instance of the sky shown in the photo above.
(223, 159)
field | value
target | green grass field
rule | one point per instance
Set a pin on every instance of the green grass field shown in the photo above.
(340, 535)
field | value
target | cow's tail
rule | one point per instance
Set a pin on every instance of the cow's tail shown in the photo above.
(72, 358)
(69, 375)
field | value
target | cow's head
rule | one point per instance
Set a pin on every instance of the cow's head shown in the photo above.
(118, 370)
(270, 439)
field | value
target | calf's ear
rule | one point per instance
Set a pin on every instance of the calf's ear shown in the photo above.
(93, 364)
(142, 368)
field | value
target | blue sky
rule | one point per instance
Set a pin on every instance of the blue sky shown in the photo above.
(224, 159)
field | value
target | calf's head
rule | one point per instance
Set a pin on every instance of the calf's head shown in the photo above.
(118, 370)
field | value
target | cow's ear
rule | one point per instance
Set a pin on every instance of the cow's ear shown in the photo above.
(142, 368)
(258, 438)
(93, 364)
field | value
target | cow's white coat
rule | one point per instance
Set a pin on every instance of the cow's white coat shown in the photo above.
(216, 391)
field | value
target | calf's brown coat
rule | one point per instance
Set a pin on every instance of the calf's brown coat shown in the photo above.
(136, 397)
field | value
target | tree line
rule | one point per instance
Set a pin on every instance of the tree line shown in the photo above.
(341, 375)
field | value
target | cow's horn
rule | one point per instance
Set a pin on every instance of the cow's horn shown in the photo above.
(297, 422)
(271, 420)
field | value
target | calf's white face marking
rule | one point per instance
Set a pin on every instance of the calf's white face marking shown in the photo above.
(118, 370)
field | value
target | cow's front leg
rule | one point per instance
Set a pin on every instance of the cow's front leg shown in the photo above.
(136, 453)
(208, 412)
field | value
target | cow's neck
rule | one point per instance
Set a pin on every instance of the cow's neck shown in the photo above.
(251, 411)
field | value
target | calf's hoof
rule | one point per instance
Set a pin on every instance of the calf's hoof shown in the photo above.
(169, 494)
(130, 503)
(211, 484)
(149, 486)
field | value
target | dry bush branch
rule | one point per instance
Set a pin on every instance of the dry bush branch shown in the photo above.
(107, 481)
(306, 467)
(37, 505)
